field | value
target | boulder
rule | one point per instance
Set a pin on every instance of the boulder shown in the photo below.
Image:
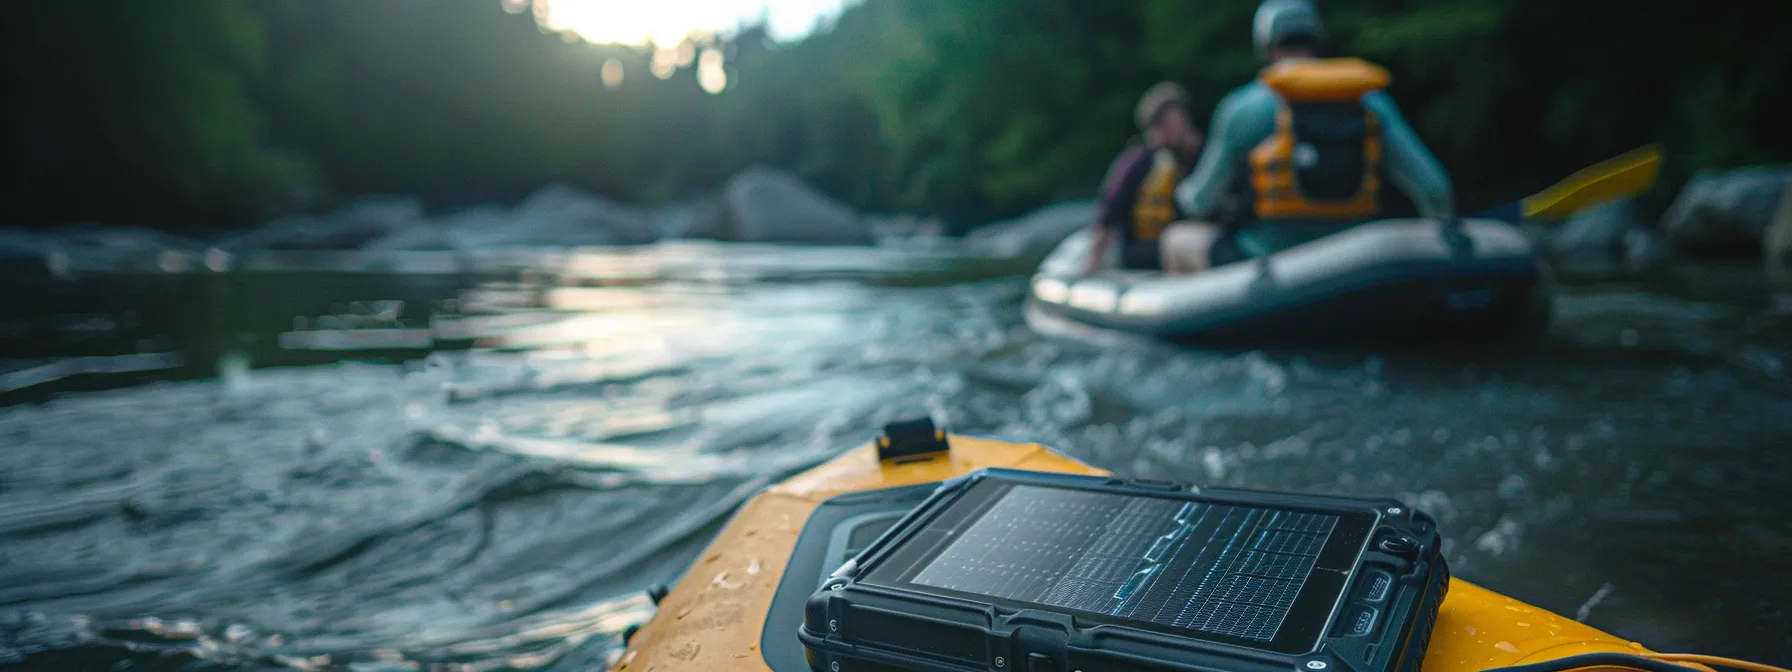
(419, 237)
(68, 249)
(1596, 230)
(1778, 241)
(118, 238)
(555, 215)
(21, 244)
(439, 232)
(357, 224)
(1034, 234)
(707, 218)
(1643, 249)
(770, 206)
(1606, 235)
(1725, 212)
(89, 246)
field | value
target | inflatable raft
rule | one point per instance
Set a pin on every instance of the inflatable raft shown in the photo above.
(1386, 280)
(740, 605)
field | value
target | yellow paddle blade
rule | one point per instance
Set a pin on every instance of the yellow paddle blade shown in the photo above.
(1624, 175)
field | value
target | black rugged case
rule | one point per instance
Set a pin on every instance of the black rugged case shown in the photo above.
(849, 626)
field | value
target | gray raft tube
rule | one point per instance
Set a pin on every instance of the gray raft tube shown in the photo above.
(1395, 280)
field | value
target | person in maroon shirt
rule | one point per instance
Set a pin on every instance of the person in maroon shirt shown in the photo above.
(1138, 204)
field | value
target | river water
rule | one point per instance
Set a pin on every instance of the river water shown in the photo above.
(503, 506)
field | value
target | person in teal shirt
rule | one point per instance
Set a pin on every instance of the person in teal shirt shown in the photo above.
(1308, 145)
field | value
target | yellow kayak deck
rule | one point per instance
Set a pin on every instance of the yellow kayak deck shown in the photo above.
(714, 618)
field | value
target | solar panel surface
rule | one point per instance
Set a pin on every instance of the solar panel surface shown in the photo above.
(1220, 569)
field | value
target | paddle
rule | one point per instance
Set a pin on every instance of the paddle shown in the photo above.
(1624, 175)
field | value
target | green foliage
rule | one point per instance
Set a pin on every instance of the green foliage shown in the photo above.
(122, 110)
(1512, 94)
(170, 113)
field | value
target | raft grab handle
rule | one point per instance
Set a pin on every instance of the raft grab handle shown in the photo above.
(906, 439)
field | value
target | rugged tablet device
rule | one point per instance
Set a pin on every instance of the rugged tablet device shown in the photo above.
(1014, 571)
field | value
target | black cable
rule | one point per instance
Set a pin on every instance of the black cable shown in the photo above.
(1598, 660)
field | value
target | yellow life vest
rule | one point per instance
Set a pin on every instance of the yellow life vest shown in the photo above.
(1321, 125)
(1156, 205)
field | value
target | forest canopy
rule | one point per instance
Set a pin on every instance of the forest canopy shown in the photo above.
(212, 113)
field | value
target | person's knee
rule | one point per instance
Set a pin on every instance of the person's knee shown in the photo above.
(1188, 243)
(1183, 233)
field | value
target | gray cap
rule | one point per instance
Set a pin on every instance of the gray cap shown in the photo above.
(1278, 20)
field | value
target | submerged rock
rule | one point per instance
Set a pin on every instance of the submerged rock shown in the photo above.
(771, 206)
(1727, 212)
(1034, 234)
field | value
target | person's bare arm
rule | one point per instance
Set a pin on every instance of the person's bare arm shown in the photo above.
(1098, 249)
(1200, 194)
(1411, 166)
(1119, 194)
